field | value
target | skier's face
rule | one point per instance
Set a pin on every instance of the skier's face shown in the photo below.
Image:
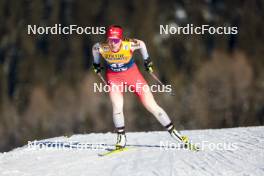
(114, 43)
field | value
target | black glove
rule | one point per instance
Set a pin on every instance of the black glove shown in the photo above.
(97, 68)
(148, 65)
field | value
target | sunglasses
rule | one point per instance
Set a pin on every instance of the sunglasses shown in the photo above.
(114, 40)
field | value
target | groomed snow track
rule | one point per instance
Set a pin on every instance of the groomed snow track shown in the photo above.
(234, 151)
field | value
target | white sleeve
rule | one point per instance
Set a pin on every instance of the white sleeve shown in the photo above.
(139, 44)
(96, 53)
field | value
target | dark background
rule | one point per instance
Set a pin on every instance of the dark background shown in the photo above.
(46, 81)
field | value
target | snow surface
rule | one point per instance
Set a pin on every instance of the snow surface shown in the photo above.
(243, 155)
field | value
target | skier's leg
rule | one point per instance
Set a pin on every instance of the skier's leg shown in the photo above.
(116, 97)
(142, 90)
(117, 104)
(151, 105)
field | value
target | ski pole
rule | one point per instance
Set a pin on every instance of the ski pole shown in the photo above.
(102, 78)
(158, 80)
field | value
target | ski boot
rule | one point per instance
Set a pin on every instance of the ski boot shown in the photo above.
(121, 140)
(184, 139)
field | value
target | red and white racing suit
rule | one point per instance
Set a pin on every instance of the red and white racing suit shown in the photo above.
(122, 71)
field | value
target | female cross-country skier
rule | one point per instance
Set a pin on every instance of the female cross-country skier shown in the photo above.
(122, 70)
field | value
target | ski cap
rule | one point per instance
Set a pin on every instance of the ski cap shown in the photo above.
(114, 32)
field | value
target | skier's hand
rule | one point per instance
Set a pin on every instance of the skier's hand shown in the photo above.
(97, 68)
(148, 65)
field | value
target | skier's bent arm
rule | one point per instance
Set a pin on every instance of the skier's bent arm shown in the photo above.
(139, 44)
